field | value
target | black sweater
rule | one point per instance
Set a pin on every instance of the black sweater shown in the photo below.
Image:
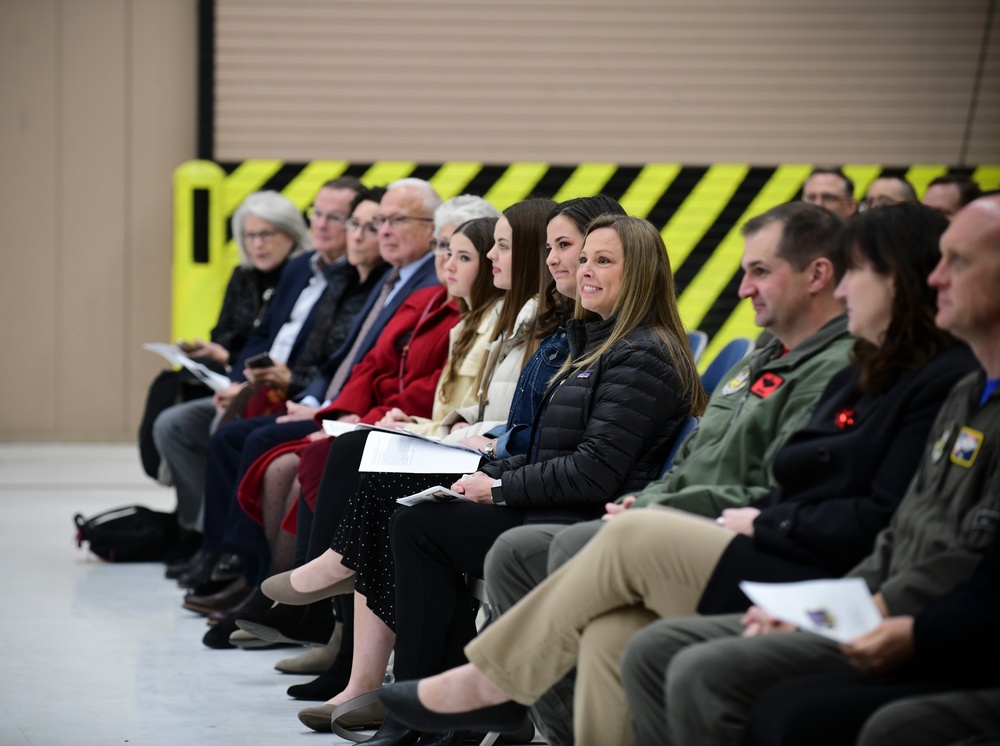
(840, 479)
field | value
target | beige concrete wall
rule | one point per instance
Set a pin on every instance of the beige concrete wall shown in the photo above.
(97, 107)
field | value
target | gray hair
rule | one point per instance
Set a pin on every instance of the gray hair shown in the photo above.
(428, 196)
(461, 209)
(277, 210)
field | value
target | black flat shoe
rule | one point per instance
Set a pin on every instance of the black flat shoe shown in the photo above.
(393, 733)
(451, 738)
(402, 703)
(303, 625)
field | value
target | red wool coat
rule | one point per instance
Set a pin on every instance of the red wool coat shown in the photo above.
(401, 370)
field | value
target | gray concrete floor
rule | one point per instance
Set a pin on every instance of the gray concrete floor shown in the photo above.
(95, 653)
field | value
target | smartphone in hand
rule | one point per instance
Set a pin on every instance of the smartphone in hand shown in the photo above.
(263, 360)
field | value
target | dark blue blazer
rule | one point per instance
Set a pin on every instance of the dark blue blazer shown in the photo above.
(424, 277)
(294, 279)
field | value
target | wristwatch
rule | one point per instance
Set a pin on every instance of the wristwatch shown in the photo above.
(497, 491)
(490, 449)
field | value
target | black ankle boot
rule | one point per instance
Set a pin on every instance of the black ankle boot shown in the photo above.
(330, 682)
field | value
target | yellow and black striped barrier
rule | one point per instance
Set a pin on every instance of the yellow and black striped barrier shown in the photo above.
(698, 208)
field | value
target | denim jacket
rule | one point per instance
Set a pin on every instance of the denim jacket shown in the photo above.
(538, 371)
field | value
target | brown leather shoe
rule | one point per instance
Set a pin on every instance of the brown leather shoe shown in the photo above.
(230, 596)
(256, 601)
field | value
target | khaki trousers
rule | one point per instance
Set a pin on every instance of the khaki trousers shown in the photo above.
(644, 564)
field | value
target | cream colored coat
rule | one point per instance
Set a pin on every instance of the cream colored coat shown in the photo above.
(492, 407)
(462, 390)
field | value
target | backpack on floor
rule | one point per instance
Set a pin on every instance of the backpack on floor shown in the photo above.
(130, 534)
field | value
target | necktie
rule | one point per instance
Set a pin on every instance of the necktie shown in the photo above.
(344, 369)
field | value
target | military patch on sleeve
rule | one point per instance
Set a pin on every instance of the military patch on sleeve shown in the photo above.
(767, 384)
(942, 443)
(966, 447)
(737, 382)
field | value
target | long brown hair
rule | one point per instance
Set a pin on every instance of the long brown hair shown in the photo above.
(527, 225)
(483, 298)
(900, 241)
(553, 307)
(648, 299)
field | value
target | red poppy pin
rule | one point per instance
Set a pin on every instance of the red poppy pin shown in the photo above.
(844, 418)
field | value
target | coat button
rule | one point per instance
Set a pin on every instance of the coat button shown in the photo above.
(785, 524)
(823, 455)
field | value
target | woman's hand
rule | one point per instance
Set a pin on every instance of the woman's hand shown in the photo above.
(394, 418)
(318, 435)
(297, 413)
(477, 487)
(222, 399)
(885, 648)
(277, 376)
(739, 520)
(212, 350)
(458, 426)
(479, 442)
(758, 622)
(614, 509)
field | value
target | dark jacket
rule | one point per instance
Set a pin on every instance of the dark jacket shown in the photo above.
(335, 314)
(600, 431)
(424, 277)
(840, 479)
(294, 279)
(248, 295)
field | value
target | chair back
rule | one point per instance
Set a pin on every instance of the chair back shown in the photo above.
(689, 426)
(734, 351)
(698, 341)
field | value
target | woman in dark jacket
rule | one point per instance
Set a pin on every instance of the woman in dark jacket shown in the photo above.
(840, 478)
(279, 234)
(605, 425)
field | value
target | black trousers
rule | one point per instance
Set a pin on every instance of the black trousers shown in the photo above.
(825, 709)
(435, 546)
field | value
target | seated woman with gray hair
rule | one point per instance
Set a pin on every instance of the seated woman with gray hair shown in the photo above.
(268, 230)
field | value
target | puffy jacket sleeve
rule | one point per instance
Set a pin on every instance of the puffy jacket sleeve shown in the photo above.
(635, 397)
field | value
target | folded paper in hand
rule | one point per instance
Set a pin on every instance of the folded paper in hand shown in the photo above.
(175, 356)
(840, 610)
(437, 494)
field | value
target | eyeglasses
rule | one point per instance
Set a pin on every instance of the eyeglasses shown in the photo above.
(332, 217)
(352, 224)
(869, 202)
(265, 235)
(396, 221)
(440, 246)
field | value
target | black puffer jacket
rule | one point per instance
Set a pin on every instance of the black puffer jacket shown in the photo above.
(600, 432)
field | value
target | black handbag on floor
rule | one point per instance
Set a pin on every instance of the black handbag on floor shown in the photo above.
(130, 534)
